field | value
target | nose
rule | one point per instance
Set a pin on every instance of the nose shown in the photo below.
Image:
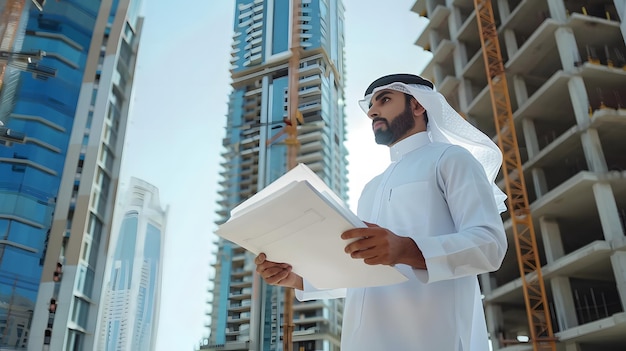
(372, 113)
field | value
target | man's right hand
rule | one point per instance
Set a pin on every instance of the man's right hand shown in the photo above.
(277, 273)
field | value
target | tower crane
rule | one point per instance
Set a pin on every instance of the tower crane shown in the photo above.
(537, 312)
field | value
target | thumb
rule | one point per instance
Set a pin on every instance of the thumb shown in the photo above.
(371, 225)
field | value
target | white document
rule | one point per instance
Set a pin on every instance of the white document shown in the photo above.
(298, 220)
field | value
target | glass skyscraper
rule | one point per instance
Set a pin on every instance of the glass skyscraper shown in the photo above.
(130, 303)
(57, 187)
(246, 313)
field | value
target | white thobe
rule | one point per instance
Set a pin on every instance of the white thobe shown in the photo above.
(438, 195)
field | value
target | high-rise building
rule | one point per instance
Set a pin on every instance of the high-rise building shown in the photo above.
(566, 70)
(57, 188)
(132, 287)
(246, 313)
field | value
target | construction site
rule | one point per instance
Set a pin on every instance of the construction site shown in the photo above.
(547, 81)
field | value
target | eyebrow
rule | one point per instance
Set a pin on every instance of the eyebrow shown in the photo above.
(380, 96)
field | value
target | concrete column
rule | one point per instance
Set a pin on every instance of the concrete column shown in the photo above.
(539, 181)
(434, 39)
(438, 75)
(557, 10)
(504, 10)
(618, 261)
(592, 147)
(568, 51)
(551, 237)
(580, 101)
(465, 93)
(609, 216)
(459, 57)
(530, 137)
(521, 91)
(493, 315)
(487, 283)
(532, 148)
(510, 42)
(454, 20)
(493, 312)
(564, 303)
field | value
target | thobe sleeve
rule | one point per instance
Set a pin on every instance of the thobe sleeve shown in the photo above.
(309, 292)
(479, 243)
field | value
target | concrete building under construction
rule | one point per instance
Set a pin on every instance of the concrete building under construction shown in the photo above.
(566, 71)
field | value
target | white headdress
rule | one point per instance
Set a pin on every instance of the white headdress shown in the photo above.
(444, 123)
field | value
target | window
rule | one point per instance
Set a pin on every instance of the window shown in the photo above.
(85, 251)
(74, 340)
(80, 312)
(47, 337)
(19, 167)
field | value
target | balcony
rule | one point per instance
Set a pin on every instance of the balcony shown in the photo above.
(437, 18)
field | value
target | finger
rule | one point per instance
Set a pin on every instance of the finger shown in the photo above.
(371, 257)
(353, 233)
(267, 267)
(363, 252)
(359, 246)
(371, 225)
(262, 267)
(353, 247)
(259, 259)
(374, 260)
(276, 275)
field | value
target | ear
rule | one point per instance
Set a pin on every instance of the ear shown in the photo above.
(417, 108)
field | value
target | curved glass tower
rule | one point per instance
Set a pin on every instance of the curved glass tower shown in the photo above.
(58, 184)
(129, 311)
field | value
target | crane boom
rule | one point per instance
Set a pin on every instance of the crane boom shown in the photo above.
(537, 312)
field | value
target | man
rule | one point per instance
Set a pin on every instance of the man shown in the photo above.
(433, 214)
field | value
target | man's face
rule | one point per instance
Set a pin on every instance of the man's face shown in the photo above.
(389, 130)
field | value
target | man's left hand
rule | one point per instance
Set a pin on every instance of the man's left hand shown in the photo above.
(377, 245)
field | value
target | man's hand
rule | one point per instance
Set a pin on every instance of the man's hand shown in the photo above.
(277, 273)
(377, 245)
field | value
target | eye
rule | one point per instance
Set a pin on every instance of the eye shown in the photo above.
(384, 100)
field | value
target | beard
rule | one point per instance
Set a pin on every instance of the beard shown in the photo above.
(393, 131)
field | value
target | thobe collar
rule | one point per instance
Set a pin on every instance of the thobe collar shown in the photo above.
(404, 146)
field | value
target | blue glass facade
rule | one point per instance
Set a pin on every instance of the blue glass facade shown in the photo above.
(30, 173)
(57, 188)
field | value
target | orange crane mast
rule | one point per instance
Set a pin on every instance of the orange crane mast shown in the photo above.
(293, 146)
(537, 311)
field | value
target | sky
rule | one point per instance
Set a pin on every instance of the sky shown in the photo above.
(177, 120)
